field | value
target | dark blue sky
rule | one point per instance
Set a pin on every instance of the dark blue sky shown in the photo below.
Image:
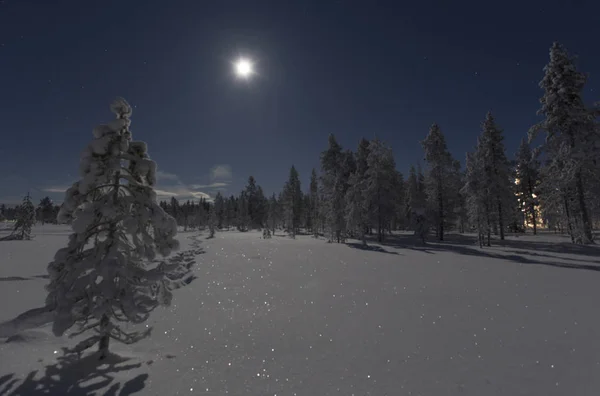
(353, 68)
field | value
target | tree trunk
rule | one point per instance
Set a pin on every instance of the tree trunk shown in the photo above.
(104, 337)
(534, 218)
(441, 214)
(532, 207)
(569, 227)
(489, 230)
(500, 220)
(587, 227)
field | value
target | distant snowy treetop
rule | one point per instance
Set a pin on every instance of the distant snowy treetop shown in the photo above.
(121, 108)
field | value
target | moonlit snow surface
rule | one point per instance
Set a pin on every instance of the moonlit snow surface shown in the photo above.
(303, 317)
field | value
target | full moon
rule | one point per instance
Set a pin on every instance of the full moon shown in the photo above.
(244, 68)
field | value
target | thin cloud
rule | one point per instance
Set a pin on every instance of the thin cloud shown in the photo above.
(55, 189)
(217, 185)
(221, 173)
(181, 194)
(170, 185)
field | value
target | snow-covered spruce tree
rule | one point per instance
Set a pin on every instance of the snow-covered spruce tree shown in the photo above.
(572, 143)
(334, 184)
(273, 213)
(441, 178)
(212, 221)
(306, 221)
(25, 219)
(527, 169)
(357, 208)
(380, 186)
(105, 275)
(476, 193)
(46, 211)
(498, 171)
(460, 206)
(220, 209)
(243, 216)
(398, 220)
(314, 204)
(411, 199)
(357, 202)
(292, 196)
(262, 205)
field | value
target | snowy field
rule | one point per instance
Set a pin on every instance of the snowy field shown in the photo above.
(303, 317)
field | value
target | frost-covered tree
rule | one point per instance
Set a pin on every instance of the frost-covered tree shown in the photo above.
(410, 194)
(220, 209)
(380, 185)
(357, 207)
(527, 169)
(292, 202)
(231, 212)
(175, 210)
(314, 204)
(255, 198)
(273, 213)
(572, 143)
(477, 196)
(498, 172)
(106, 274)
(25, 219)
(332, 189)
(440, 181)
(358, 214)
(336, 168)
(399, 218)
(212, 221)
(46, 211)
(261, 207)
(243, 216)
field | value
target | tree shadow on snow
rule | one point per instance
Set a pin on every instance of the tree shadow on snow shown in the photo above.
(75, 376)
(467, 245)
(369, 248)
(543, 255)
(20, 278)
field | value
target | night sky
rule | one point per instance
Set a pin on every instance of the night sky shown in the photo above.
(352, 68)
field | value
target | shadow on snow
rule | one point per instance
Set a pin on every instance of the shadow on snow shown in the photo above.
(72, 375)
(467, 245)
(20, 278)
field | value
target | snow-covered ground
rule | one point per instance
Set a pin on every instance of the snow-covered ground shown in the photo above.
(303, 317)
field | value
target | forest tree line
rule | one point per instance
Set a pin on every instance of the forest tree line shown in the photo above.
(555, 185)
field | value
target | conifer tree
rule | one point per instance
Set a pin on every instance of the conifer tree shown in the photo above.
(440, 180)
(572, 140)
(292, 196)
(380, 185)
(243, 216)
(477, 196)
(527, 170)
(314, 204)
(273, 213)
(46, 210)
(106, 274)
(25, 219)
(212, 221)
(498, 173)
(336, 168)
(220, 209)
